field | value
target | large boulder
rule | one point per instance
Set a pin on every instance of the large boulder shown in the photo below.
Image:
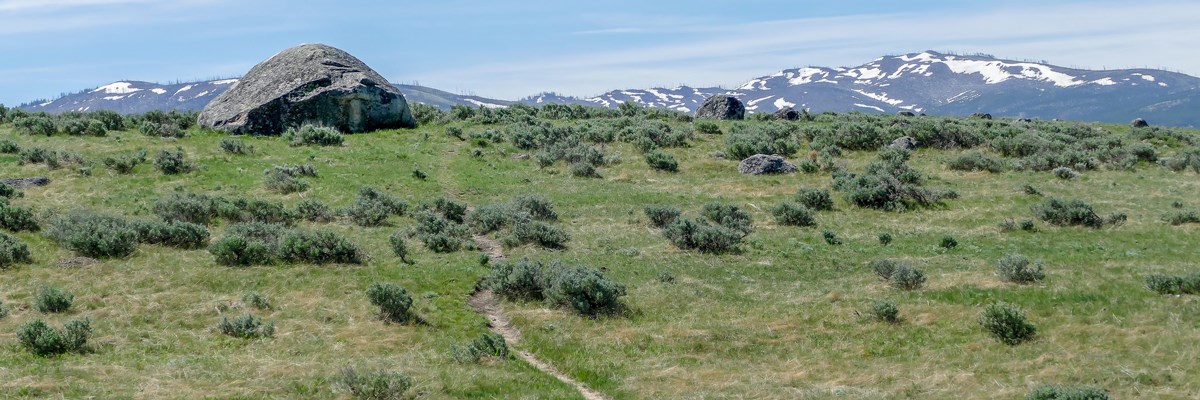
(722, 107)
(759, 164)
(310, 83)
(787, 114)
(904, 143)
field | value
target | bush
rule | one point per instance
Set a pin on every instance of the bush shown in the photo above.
(319, 247)
(535, 206)
(688, 234)
(1055, 392)
(1177, 285)
(793, 214)
(313, 135)
(452, 210)
(1182, 217)
(1007, 323)
(247, 326)
(584, 290)
(831, 238)
(1028, 225)
(707, 127)
(12, 251)
(541, 233)
(884, 268)
(440, 234)
(256, 300)
(885, 238)
(235, 250)
(34, 125)
(885, 310)
(191, 207)
(907, 278)
(661, 215)
(124, 164)
(43, 340)
(375, 385)
(486, 345)
(53, 300)
(184, 235)
(584, 170)
(1067, 213)
(161, 130)
(93, 235)
(172, 162)
(283, 181)
(816, 199)
(314, 211)
(373, 207)
(393, 301)
(662, 161)
(489, 218)
(1065, 173)
(581, 289)
(745, 140)
(888, 184)
(399, 247)
(948, 242)
(16, 218)
(3, 310)
(1017, 268)
(265, 211)
(729, 216)
(976, 161)
(9, 147)
(521, 280)
(235, 146)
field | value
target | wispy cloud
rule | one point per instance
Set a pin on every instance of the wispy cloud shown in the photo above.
(1094, 34)
(39, 5)
(609, 31)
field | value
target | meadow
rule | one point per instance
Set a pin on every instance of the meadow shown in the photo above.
(783, 311)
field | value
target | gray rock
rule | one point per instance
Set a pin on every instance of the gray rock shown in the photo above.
(904, 142)
(906, 114)
(1139, 123)
(759, 164)
(26, 182)
(722, 107)
(787, 114)
(311, 83)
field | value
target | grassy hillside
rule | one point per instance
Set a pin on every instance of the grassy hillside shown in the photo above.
(783, 314)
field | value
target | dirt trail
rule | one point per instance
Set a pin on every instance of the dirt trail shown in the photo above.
(486, 303)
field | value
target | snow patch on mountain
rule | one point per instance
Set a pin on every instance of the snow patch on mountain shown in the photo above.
(116, 88)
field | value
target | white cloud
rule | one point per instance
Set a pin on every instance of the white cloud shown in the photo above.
(1093, 35)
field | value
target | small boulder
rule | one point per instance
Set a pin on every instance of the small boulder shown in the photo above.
(1139, 123)
(722, 107)
(22, 183)
(906, 114)
(904, 142)
(308, 84)
(787, 114)
(981, 116)
(759, 164)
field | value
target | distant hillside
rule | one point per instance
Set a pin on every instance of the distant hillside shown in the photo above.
(928, 82)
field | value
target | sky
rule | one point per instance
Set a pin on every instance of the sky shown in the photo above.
(512, 49)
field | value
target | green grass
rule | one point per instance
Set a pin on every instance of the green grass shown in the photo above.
(785, 318)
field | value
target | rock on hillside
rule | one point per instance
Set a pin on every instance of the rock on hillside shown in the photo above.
(311, 83)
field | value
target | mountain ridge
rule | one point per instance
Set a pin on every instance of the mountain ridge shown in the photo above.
(928, 82)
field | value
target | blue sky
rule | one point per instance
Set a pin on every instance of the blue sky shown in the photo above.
(511, 49)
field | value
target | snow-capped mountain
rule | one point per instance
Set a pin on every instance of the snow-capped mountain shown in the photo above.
(138, 97)
(945, 84)
(928, 82)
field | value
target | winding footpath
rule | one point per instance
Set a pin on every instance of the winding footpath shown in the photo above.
(486, 303)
